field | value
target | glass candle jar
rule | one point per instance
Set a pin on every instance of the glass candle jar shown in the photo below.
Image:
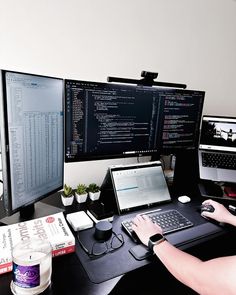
(32, 267)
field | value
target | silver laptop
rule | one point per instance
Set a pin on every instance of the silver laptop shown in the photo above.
(139, 186)
(217, 149)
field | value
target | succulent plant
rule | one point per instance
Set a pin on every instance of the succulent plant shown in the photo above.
(93, 188)
(68, 191)
(81, 189)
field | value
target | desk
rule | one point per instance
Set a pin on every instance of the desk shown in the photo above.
(69, 276)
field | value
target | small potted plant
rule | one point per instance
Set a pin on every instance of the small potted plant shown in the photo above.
(94, 191)
(81, 193)
(67, 196)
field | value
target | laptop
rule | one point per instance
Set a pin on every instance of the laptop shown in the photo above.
(139, 186)
(217, 149)
(143, 186)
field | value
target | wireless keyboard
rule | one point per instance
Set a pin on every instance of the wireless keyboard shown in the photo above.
(169, 220)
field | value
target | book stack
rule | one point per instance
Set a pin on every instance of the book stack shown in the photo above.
(53, 228)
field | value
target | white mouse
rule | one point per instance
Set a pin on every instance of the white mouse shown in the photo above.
(184, 199)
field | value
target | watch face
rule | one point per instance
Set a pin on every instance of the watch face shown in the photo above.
(155, 238)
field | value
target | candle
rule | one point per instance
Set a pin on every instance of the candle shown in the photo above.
(32, 267)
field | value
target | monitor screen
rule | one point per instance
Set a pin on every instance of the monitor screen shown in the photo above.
(105, 120)
(32, 137)
(218, 133)
(180, 119)
(139, 186)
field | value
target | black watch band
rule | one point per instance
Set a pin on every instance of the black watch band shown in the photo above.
(155, 240)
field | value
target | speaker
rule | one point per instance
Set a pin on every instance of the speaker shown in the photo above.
(103, 230)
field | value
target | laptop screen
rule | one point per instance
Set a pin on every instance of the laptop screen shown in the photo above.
(139, 186)
(218, 133)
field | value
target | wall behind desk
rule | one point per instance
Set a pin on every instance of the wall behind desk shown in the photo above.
(185, 41)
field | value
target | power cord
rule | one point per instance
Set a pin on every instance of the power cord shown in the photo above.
(1, 197)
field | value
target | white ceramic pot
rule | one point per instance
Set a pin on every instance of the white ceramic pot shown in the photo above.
(67, 201)
(81, 198)
(94, 196)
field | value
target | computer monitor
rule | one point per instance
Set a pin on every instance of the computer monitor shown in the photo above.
(31, 108)
(106, 120)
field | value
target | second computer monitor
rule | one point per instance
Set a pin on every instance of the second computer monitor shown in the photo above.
(105, 120)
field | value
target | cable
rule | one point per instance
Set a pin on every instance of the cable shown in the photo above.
(1, 196)
(162, 163)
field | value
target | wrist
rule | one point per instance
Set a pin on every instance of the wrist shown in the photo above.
(231, 219)
(158, 246)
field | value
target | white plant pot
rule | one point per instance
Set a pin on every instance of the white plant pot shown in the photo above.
(67, 201)
(94, 196)
(81, 198)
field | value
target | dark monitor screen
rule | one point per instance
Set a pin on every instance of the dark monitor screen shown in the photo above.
(180, 118)
(105, 120)
(31, 137)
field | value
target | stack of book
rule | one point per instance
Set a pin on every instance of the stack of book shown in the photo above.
(53, 228)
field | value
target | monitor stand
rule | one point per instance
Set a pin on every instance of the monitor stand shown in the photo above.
(40, 209)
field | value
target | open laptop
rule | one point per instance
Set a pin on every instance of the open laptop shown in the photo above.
(143, 186)
(217, 149)
(139, 186)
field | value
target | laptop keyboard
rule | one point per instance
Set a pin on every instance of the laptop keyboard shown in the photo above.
(216, 160)
(169, 220)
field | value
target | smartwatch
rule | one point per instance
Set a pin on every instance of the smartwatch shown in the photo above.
(155, 240)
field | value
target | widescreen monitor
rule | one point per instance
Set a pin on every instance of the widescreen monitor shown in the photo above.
(106, 120)
(31, 108)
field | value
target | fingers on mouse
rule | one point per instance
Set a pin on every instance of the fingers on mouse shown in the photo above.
(207, 208)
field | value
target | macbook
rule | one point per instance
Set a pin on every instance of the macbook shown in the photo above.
(217, 149)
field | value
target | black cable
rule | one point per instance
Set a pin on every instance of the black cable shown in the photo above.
(163, 163)
(1, 196)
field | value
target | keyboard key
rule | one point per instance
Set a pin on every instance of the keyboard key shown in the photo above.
(219, 160)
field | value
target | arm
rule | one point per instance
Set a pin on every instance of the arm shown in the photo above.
(220, 214)
(215, 276)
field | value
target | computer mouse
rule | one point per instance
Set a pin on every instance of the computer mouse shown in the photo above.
(207, 207)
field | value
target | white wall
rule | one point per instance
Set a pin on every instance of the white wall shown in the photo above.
(185, 41)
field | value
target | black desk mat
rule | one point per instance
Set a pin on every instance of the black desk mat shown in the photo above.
(121, 261)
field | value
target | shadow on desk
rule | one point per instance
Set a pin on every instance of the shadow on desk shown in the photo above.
(149, 280)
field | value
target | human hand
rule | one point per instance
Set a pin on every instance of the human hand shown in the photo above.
(145, 228)
(220, 214)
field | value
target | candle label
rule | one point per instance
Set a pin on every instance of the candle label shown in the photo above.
(26, 276)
